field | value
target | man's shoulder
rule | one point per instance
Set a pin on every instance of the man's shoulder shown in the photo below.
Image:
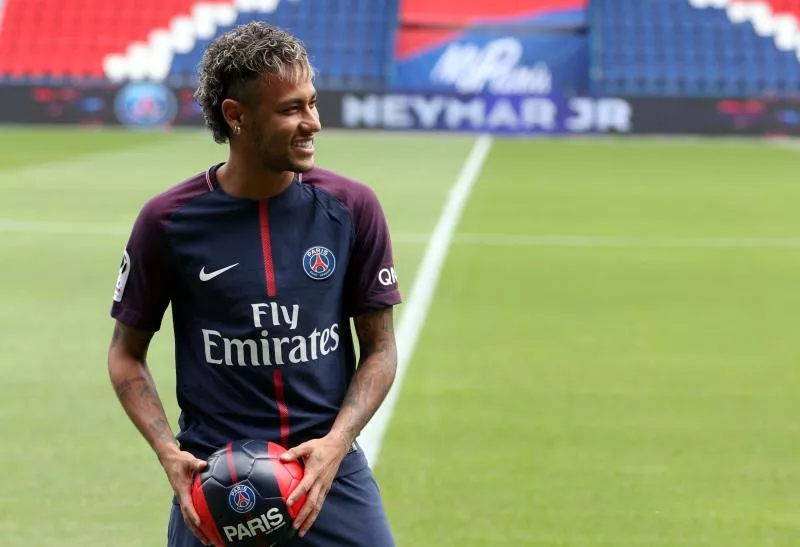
(161, 206)
(352, 193)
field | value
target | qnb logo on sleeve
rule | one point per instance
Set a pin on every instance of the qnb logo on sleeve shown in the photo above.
(387, 276)
(122, 279)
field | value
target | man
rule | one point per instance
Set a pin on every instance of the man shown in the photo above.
(264, 259)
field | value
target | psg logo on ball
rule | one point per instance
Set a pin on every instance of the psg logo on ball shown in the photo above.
(242, 498)
(319, 263)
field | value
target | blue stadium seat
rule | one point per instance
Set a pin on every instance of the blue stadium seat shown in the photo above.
(668, 47)
(350, 42)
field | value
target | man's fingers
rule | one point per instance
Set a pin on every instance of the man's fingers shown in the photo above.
(304, 486)
(180, 470)
(193, 522)
(297, 452)
(188, 509)
(310, 510)
(308, 507)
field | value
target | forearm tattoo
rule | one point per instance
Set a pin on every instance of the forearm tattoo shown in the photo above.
(375, 373)
(137, 392)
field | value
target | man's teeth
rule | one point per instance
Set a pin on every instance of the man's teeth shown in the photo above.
(304, 144)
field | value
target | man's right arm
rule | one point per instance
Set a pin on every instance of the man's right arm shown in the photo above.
(133, 383)
(141, 297)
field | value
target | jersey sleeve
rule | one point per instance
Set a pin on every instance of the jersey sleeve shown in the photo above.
(372, 281)
(142, 291)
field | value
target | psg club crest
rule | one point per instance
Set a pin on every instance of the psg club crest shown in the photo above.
(145, 104)
(242, 498)
(319, 263)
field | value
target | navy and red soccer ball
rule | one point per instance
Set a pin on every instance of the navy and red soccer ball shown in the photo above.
(241, 495)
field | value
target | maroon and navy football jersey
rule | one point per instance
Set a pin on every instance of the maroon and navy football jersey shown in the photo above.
(262, 292)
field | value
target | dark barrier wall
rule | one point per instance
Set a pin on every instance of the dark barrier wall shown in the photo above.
(139, 105)
(154, 105)
(557, 115)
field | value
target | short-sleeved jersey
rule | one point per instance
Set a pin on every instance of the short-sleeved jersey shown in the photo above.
(262, 293)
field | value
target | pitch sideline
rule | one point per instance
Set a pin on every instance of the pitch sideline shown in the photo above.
(421, 295)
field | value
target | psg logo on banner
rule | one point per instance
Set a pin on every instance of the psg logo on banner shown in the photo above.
(242, 498)
(145, 105)
(319, 263)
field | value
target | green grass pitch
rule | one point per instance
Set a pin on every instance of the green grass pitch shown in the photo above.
(611, 357)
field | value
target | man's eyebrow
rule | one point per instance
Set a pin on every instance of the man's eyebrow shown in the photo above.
(296, 100)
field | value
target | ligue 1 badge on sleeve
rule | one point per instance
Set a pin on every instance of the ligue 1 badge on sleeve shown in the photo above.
(319, 263)
(122, 279)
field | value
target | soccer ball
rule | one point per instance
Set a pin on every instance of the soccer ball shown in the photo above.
(241, 495)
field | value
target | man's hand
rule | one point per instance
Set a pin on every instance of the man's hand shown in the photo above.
(321, 458)
(133, 383)
(180, 467)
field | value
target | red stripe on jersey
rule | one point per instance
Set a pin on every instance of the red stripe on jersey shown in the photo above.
(269, 273)
(282, 410)
(266, 247)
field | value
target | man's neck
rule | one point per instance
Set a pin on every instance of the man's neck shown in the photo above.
(241, 180)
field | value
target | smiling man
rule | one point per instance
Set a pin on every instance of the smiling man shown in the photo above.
(264, 259)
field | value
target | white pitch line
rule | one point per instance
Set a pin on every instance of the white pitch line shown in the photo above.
(422, 291)
(689, 242)
(117, 230)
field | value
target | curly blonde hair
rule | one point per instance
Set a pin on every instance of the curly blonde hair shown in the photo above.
(243, 55)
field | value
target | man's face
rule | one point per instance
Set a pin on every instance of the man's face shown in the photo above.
(284, 121)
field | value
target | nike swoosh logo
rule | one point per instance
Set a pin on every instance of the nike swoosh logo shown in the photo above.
(211, 275)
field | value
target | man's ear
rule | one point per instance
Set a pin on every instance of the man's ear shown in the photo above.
(233, 112)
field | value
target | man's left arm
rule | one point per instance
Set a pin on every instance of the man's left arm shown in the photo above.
(370, 294)
(374, 376)
(368, 388)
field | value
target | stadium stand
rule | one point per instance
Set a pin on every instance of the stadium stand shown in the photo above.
(351, 46)
(158, 40)
(89, 29)
(638, 47)
(695, 47)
